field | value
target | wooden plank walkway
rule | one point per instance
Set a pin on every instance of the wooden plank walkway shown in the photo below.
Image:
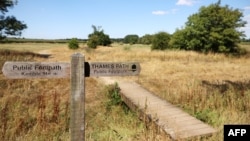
(171, 119)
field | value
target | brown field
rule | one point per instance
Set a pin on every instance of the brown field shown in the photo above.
(214, 88)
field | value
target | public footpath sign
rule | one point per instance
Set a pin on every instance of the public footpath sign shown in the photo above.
(18, 70)
(77, 70)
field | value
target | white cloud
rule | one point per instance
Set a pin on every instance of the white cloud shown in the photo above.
(247, 8)
(247, 26)
(247, 19)
(160, 12)
(185, 2)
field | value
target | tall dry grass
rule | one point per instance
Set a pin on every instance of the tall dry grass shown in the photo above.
(38, 109)
(32, 109)
(214, 88)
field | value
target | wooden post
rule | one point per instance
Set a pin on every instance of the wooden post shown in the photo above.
(77, 119)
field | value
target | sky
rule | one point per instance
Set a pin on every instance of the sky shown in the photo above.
(60, 19)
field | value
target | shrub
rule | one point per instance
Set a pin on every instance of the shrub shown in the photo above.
(73, 44)
(208, 116)
(160, 41)
(114, 95)
(146, 39)
(93, 41)
(131, 39)
(98, 38)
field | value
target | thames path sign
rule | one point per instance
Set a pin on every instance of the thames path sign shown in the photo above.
(77, 70)
(112, 69)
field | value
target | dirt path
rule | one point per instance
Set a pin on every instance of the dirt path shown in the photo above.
(47, 51)
(60, 54)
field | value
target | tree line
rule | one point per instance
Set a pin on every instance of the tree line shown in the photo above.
(214, 28)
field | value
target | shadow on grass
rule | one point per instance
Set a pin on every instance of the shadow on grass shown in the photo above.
(226, 85)
(7, 52)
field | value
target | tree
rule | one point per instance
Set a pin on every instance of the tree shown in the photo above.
(73, 44)
(178, 40)
(213, 29)
(131, 39)
(98, 38)
(93, 41)
(9, 25)
(161, 41)
(146, 39)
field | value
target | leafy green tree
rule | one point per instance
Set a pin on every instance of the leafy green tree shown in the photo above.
(131, 39)
(178, 40)
(146, 39)
(73, 43)
(9, 25)
(98, 38)
(161, 41)
(93, 41)
(213, 29)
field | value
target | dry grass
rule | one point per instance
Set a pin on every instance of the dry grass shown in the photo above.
(38, 109)
(213, 87)
(32, 109)
(34, 47)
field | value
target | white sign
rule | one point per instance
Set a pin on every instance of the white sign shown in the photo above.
(17, 70)
(112, 68)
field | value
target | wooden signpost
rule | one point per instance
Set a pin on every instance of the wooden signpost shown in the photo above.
(77, 70)
(18, 70)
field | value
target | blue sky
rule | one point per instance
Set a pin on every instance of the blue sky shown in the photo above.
(59, 19)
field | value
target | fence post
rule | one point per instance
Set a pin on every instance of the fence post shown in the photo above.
(77, 78)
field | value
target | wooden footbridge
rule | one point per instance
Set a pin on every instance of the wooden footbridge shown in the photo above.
(171, 119)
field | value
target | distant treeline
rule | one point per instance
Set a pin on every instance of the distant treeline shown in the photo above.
(26, 40)
(244, 40)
